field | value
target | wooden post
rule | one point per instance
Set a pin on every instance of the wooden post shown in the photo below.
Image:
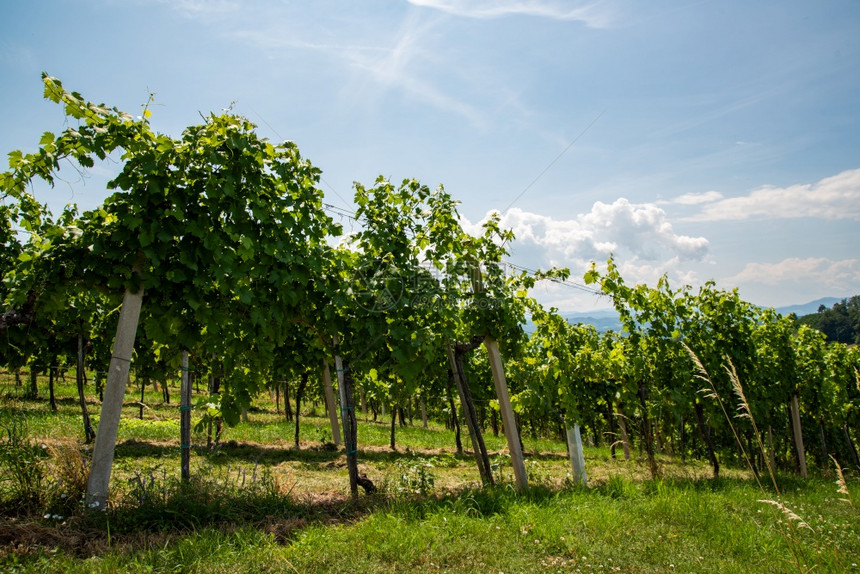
(577, 458)
(622, 426)
(89, 433)
(347, 411)
(33, 392)
(822, 440)
(114, 393)
(798, 434)
(300, 391)
(142, 397)
(508, 422)
(331, 405)
(455, 418)
(707, 436)
(478, 447)
(851, 448)
(338, 367)
(771, 453)
(52, 398)
(185, 419)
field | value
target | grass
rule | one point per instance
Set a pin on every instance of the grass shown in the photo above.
(623, 526)
(259, 504)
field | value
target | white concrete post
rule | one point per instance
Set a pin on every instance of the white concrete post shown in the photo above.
(508, 420)
(114, 394)
(331, 405)
(577, 458)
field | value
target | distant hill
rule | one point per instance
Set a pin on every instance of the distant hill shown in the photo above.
(603, 320)
(607, 319)
(839, 322)
(808, 308)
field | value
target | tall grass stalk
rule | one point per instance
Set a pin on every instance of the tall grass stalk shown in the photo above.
(792, 519)
(840, 482)
(746, 412)
(743, 407)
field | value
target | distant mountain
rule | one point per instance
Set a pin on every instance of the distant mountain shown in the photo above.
(607, 319)
(603, 320)
(808, 308)
(840, 322)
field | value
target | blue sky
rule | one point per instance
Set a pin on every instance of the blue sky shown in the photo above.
(706, 140)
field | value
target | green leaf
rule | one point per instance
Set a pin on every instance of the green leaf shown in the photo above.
(47, 138)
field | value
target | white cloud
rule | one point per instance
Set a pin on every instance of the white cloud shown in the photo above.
(836, 197)
(400, 67)
(638, 235)
(841, 276)
(638, 230)
(198, 8)
(635, 272)
(195, 9)
(641, 228)
(696, 198)
(795, 280)
(594, 14)
(403, 62)
(567, 298)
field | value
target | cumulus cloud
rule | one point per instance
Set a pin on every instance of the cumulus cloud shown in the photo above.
(836, 197)
(640, 237)
(594, 14)
(634, 230)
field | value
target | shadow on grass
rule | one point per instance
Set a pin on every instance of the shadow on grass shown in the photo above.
(233, 451)
(166, 511)
(158, 508)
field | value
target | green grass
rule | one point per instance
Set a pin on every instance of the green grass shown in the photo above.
(662, 527)
(259, 504)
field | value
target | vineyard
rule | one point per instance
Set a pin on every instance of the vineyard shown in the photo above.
(213, 304)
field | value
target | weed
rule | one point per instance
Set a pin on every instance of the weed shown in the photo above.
(155, 500)
(497, 467)
(538, 474)
(415, 476)
(619, 487)
(324, 438)
(67, 482)
(445, 460)
(21, 469)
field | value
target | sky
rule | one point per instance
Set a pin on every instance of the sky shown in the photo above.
(706, 140)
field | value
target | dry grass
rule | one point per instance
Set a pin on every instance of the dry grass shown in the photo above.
(842, 484)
